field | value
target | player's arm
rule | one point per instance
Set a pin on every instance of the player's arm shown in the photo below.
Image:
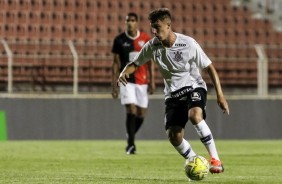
(141, 58)
(152, 85)
(216, 82)
(128, 69)
(115, 73)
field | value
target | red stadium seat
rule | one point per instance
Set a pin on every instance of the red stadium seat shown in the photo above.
(275, 74)
(36, 5)
(69, 6)
(58, 5)
(22, 17)
(47, 5)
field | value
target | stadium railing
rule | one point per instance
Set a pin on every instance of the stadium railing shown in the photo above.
(79, 67)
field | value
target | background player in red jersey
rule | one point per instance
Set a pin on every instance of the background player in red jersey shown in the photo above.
(134, 96)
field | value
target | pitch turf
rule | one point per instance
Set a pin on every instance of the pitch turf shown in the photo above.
(105, 162)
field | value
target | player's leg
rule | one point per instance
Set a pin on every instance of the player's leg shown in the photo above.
(142, 104)
(141, 112)
(130, 128)
(206, 137)
(196, 115)
(176, 138)
(175, 120)
(203, 130)
(128, 98)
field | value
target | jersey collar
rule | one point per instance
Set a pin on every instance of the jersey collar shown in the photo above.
(133, 38)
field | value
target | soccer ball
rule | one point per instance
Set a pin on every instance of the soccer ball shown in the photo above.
(196, 167)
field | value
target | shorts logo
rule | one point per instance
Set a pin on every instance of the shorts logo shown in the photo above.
(195, 96)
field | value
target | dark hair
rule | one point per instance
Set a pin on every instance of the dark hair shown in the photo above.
(131, 14)
(159, 14)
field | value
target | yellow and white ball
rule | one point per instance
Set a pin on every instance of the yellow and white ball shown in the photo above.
(196, 167)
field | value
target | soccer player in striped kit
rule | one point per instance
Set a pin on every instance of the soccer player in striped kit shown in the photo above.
(134, 95)
(180, 59)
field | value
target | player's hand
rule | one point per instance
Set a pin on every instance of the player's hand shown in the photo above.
(114, 93)
(223, 104)
(122, 79)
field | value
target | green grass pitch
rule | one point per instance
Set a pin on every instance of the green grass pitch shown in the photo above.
(156, 162)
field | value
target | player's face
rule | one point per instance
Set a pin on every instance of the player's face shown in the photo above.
(131, 23)
(161, 29)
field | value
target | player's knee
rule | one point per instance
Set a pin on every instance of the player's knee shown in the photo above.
(195, 115)
(141, 112)
(196, 119)
(131, 109)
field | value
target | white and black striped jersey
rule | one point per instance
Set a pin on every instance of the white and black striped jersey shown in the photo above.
(179, 64)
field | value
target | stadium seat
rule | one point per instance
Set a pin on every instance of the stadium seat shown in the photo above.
(275, 74)
(10, 5)
(22, 18)
(69, 6)
(11, 17)
(34, 17)
(10, 32)
(90, 6)
(79, 19)
(58, 5)
(80, 6)
(57, 18)
(3, 5)
(47, 5)
(101, 5)
(36, 5)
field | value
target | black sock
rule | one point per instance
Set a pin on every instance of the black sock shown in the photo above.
(130, 128)
(139, 122)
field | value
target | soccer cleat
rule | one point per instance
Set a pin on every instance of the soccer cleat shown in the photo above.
(130, 150)
(216, 166)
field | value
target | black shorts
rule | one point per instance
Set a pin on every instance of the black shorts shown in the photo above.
(176, 110)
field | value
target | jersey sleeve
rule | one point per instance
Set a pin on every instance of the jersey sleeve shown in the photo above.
(115, 48)
(201, 59)
(144, 55)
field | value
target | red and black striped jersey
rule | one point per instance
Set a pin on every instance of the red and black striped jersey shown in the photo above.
(127, 48)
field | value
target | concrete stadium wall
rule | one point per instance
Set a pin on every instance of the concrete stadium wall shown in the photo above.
(61, 119)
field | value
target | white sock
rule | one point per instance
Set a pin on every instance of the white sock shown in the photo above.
(185, 149)
(205, 135)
